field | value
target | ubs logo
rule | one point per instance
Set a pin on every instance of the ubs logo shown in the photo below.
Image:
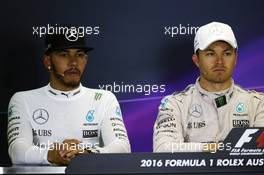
(40, 116)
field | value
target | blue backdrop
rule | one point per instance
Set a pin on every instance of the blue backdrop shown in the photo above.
(140, 43)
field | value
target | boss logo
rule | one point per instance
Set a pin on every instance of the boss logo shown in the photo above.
(90, 133)
(240, 123)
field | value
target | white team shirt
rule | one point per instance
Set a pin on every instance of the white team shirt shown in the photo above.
(39, 117)
(195, 116)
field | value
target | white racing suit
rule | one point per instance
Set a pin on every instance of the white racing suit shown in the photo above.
(40, 117)
(195, 117)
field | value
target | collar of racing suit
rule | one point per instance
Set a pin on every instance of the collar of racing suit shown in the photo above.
(211, 97)
(63, 94)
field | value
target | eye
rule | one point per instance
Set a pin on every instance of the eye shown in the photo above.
(62, 54)
(209, 54)
(81, 55)
(228, 53)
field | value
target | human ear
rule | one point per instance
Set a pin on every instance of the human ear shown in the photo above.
(195, 59)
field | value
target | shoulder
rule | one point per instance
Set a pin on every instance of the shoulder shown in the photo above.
(20, 100)
(100, 94)
(182, 94)
(28, 93)
(178, 97)
(250, 93)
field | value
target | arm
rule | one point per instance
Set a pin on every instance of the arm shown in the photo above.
(113, 131)
(168, 129)
(20, 138)
(259, 113)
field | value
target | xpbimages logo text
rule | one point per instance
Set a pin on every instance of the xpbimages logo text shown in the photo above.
(180, 29)
(146, 89)
(72, 33)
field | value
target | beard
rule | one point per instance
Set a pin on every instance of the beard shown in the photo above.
(64, 79)
(217, 77)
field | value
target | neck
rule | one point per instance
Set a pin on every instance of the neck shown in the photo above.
(214, 86)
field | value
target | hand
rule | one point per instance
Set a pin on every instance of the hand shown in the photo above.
(62, 153)
(72, 149)
(55, 157)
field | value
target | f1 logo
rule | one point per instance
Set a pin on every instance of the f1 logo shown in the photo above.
(245, 138)
(260, 140)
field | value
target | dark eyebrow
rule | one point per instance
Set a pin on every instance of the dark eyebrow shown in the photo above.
(228, 49)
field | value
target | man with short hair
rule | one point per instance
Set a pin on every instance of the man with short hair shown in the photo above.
(205, 112)
(53, 124)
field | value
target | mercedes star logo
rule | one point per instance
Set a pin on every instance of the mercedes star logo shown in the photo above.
(196, 110)
(217, 30)
(72, 34)
(40, 116)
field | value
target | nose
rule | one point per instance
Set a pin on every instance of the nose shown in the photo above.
(219, 59)
(72, 60)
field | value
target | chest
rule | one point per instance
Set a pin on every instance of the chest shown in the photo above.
(55, 122)
(203, 114)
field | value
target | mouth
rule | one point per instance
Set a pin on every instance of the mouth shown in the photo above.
(219, 69)
(73, 72)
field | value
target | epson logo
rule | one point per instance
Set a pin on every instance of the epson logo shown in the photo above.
(240, 123)
(167, 125)
(90, 133)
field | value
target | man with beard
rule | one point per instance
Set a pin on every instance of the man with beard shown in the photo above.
(200, 117)
(53, 124)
